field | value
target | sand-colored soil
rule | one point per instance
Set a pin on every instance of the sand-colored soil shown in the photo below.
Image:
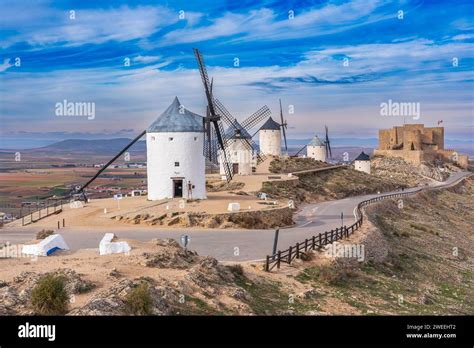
(104, 212)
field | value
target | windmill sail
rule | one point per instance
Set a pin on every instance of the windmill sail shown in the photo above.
(283, 127)
(83, 187)
(238, 130)
(213, 117)
(328, 144)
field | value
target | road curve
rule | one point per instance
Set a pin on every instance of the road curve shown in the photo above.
(228, 244)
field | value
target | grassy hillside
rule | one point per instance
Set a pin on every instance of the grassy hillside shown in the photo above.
(429, 266)
(331, 184)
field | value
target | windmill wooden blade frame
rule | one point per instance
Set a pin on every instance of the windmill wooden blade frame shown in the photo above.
(256, 117)
(213, 117)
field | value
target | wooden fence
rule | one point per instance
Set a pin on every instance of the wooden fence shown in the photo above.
(52, 208)
(325, 238)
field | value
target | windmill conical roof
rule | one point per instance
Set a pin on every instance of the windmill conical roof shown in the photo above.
(315, 141)
(176, 119)
(271, 124)
(237, 132)
(363, 157)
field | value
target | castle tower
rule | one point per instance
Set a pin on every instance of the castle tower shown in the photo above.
(239, 151)
(362, 163)
(316, 149)
(270, 138)
(175, 160)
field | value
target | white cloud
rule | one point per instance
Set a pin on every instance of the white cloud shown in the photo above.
(91, 26)
(146, 59)
(5, 65)
(133, 98)
(462, 37)
(265, 24)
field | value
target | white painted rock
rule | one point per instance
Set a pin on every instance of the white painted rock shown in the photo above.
(107, 247)
(76, 205)
(233, 207)
(47, 246)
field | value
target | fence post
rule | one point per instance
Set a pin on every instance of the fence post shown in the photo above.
(59, 226)
(275, 241)
(297, 250)
(267, 264)
(279, 259)
(325, 237)
(47, 209)
(289, 254)
(64, 223)
(306, 245)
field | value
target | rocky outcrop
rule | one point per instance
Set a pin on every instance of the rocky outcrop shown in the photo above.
(15, 296)
(113, 300)
(257, 219)
(172, 256)
(414, 175)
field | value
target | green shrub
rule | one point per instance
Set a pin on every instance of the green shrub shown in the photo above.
(236, 269)
(49, 296)
(138, 300)
(44, 233)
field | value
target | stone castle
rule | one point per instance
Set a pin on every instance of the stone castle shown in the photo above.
(415, 144)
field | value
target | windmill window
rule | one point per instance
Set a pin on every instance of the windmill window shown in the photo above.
(195, 138)
(170, 139)
(152, 138)
(176, 164)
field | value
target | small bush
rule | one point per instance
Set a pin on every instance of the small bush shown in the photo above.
(49, 296)
(44, 233)
(306, 255)
(139, 301)
(236, 269)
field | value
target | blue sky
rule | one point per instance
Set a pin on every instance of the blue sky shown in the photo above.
(300, 60)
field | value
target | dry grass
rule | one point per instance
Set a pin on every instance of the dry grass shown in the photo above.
(49, 296)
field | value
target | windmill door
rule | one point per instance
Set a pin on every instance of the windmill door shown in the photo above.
(177, 188)
(235, 168)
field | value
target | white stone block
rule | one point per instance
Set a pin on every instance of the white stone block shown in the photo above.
(233, 207)
(107, 247)
(47, 246)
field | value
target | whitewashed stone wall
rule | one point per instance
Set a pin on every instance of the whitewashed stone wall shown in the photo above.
(270, 142)
(162, 153)
(362, 166)
(316, 152)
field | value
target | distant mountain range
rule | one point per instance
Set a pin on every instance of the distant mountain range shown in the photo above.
(113, 146)
(103, 146)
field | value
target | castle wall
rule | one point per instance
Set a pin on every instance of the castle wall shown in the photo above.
(438, 136)
(428, 144)
(411, 139)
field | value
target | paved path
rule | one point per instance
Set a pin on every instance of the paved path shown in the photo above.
(225, 245)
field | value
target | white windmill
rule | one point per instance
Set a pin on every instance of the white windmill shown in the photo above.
(175, 159)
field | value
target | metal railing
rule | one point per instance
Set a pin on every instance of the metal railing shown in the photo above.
(53, 208)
